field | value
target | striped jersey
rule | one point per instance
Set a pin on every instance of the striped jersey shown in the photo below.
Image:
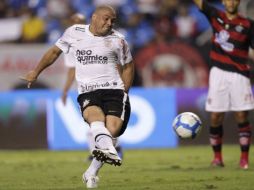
(230, 41)
(97, 59)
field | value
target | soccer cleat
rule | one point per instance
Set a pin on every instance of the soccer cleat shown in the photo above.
(244, 164)
(90, 181)
(217, 163)
(107, 156)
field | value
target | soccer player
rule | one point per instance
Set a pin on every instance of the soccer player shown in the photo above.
(78, 18)
(229, 82)
(104, 73)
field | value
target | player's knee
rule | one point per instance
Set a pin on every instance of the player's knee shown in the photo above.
(241, 117)
(217, 119)
(93, 113)
(114, 131)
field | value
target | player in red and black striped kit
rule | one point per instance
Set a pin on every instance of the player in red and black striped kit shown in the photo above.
(229, 82)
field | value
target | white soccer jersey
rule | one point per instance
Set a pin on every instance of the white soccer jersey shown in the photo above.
(96, 58)
(68, 59)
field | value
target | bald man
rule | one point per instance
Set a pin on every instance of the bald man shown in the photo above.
(104, 73)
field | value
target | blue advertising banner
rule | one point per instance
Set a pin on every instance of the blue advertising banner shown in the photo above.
(153, 110)
(149, 127)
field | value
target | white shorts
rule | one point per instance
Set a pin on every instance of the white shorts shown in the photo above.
(228, 91)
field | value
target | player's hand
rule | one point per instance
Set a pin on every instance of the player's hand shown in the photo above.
(64, 97)
(30, 77)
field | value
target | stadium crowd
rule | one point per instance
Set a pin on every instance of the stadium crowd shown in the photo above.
(143, 22)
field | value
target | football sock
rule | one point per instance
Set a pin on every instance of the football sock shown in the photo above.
(244, 132)
(101, 135)
(94, 167)
(216, 134)
(90, 140)
(118, 147)
(115, 142)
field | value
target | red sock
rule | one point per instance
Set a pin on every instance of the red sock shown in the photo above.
(244, 156)
(218, 155)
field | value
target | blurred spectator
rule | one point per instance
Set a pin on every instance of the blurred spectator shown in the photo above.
(16, 7)
(85, 7)
(185, 24)
(148, 6)
(113, 3)
(139, 31)
(3, 9)
(250, 10)
(169, 8)
(33, 29)
(164, 27)
(58, 8)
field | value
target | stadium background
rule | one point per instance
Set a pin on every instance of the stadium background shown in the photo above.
(169, 40)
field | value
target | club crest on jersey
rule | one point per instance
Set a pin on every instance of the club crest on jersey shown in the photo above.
(239, 28)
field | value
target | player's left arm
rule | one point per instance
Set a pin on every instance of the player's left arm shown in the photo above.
(128, 75)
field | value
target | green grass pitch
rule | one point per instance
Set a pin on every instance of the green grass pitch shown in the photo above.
(184, 168)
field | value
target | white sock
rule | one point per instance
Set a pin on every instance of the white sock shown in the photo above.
(102, 137)
(94, 168)
(115, 142)
(90, 140)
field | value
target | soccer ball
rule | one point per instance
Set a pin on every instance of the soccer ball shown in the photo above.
(187, 125)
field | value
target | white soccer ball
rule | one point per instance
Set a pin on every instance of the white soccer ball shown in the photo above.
(187, 125)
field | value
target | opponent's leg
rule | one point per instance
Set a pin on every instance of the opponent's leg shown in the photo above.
(244, 132)
(216, 135)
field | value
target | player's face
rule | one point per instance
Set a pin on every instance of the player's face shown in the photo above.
(231, 6)
(104, 21)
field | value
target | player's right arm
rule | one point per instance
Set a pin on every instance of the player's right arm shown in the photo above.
(199, 3)
(48, 59)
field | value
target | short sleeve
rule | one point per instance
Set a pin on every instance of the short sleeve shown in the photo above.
(64, 41)
(125, 53)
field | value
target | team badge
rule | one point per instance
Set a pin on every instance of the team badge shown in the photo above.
(222, 38)
(239, 28)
